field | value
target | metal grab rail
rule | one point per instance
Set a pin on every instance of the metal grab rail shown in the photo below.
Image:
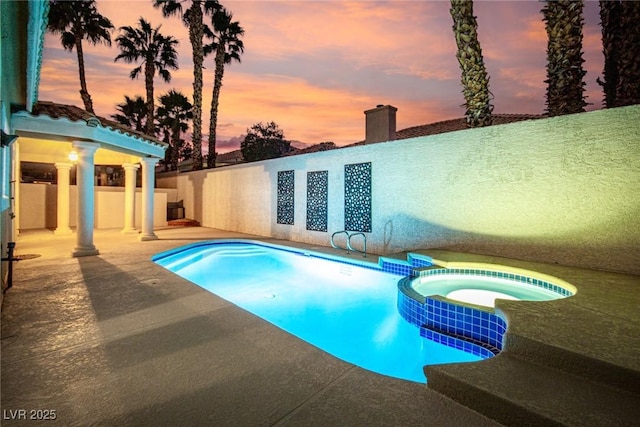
(364, 251)
(338, 247)
(349, 248)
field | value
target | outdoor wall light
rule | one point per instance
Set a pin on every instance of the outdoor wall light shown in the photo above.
(73, 156)
(7, 139)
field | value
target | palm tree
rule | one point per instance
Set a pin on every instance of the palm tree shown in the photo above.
(565, 85)
(628, 85)
(76, 21)
(228, 47)
(132, 113)
(475, 82)
(174, 112)
(156, 52)
(193, 19)
(610, 16)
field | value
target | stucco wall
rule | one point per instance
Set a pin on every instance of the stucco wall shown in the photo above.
(38, 206)
(564, 189)
(13, 66)
(167, 180)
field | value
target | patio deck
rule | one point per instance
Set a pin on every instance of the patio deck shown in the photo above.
(115, 339)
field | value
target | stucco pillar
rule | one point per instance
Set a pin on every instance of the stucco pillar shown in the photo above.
(148, 186)
(62, 209)
(130, 197)
(85, 185)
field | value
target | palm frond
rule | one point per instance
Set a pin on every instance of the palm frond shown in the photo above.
(135, 73)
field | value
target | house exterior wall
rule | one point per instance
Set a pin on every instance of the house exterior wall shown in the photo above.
(13, 67)
(561, 190)
(38, 210)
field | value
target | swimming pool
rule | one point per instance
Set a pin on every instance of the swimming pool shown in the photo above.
(347, 309)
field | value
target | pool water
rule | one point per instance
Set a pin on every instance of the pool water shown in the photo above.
(346, 310)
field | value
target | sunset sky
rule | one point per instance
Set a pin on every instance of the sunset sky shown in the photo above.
(313, 67)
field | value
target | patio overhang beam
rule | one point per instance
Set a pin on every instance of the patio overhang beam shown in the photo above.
(90, 130)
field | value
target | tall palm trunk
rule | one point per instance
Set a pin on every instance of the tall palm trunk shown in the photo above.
(175, 145)
(628, 87)
(610, 15)
(217, 86)
(565, 74)
(475, 81)
(168, 161)
(196, 33)
(84, 92)
(149, 72)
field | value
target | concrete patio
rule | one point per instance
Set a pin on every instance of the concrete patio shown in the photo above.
(115, 339)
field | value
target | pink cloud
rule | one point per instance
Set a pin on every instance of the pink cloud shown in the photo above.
(314, 67)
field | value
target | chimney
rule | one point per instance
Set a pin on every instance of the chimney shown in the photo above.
(380, 124)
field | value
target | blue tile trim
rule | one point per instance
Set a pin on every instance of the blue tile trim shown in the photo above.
(477, 348)
(459, 323)
(388, 265)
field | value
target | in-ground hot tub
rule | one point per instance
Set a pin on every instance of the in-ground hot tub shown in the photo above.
(455, 304)
(480, 284)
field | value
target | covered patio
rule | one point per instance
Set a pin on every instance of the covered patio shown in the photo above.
(66, 135)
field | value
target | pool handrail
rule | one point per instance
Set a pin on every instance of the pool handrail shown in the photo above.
(336, 246)
(364, 251)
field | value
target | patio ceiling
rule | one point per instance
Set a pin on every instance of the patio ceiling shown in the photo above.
(45, 150)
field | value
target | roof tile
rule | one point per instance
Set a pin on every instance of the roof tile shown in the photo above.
(76, 114)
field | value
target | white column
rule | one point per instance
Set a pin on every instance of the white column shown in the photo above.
(85, 174)
(148, 185)
(130, 197)
(63, 198)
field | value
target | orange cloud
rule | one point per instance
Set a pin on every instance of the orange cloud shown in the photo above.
(314, 67)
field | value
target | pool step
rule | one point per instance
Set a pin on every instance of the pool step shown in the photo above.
(513, 391)
(534, 351)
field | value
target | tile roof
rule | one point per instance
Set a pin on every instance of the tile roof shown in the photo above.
(315, 148)
(234, 156)
(454, 125)
(458, 124)
(412, 132)
(76, 114)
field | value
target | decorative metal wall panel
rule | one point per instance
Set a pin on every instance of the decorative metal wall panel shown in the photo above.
(286, 196)
(357, 197)
(317, 200)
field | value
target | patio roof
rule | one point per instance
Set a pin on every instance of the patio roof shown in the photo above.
(67, 122)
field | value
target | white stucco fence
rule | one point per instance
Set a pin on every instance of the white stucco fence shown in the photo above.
(38, 207)
(564, 189)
